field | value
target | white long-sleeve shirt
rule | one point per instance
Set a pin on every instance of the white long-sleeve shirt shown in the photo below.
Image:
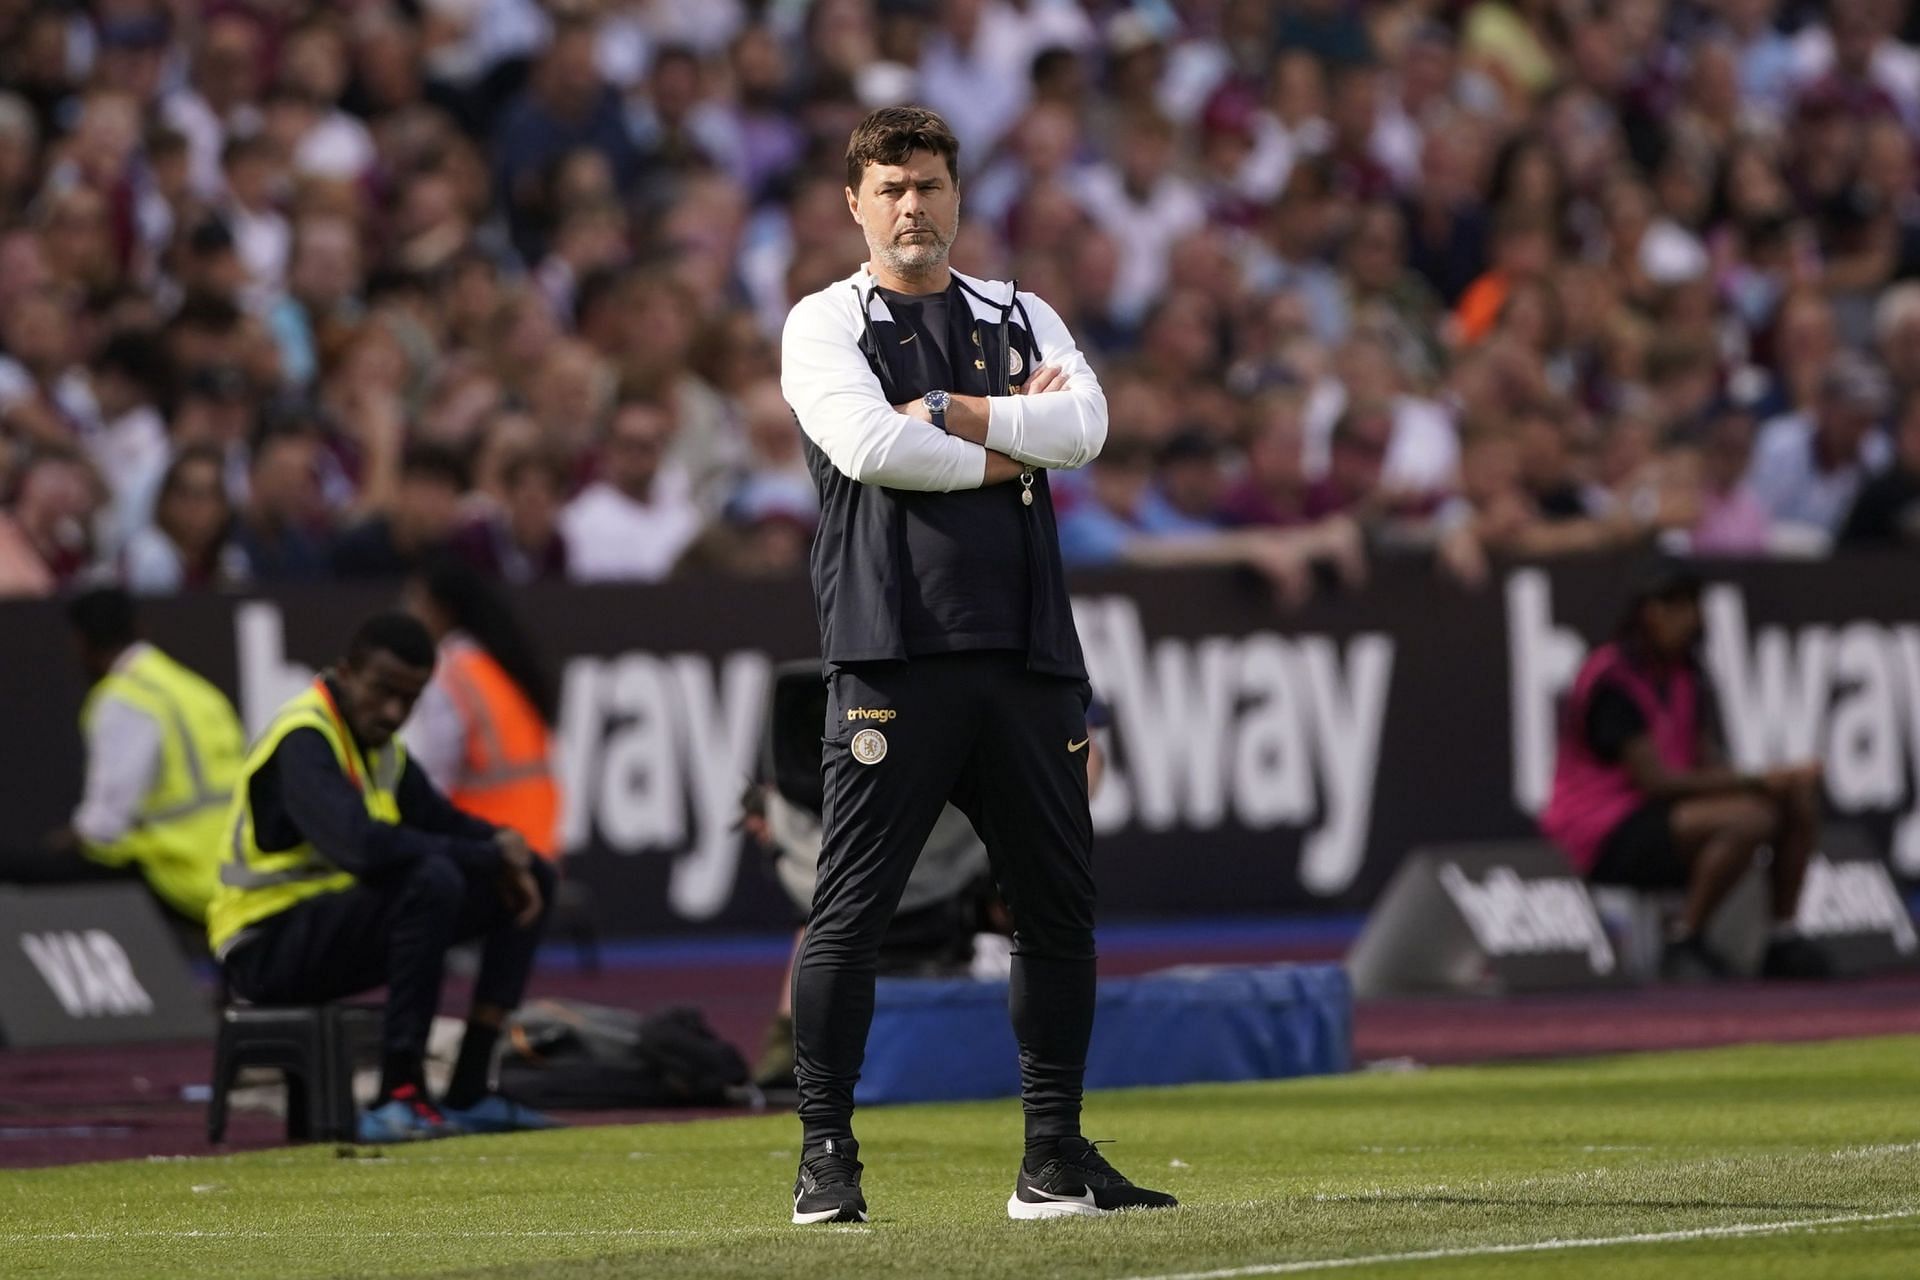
(123, 755)
(842, 407)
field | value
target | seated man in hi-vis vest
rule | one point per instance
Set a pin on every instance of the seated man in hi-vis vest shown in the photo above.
(347, 870)
(163, 750)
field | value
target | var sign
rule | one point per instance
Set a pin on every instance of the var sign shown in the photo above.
(88, 972)
(93, 964)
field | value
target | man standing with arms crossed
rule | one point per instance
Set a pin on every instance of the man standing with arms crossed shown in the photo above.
(933, 404)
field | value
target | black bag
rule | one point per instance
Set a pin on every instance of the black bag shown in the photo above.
(567, 1055)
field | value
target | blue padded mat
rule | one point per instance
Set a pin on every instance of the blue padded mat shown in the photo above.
(944, 1040)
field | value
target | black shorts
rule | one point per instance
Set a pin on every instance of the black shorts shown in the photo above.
(1640, 852)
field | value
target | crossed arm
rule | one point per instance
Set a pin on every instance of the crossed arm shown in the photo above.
(1060, 420)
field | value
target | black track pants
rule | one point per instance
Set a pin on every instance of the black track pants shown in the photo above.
(1009, 748)
(396, 932)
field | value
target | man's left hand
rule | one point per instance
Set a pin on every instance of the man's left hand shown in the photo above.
(513, 847)
(1048, 377)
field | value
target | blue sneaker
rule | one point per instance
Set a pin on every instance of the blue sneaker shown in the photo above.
(405, 1117)
(495, 1114)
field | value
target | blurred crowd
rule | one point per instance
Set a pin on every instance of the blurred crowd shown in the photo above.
(292, 290)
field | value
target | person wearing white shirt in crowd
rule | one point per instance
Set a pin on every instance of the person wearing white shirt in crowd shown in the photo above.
(1142, 203)
(130, 450)
(633, 523)
(976, 66)
(1807, 467)
(1423, 451)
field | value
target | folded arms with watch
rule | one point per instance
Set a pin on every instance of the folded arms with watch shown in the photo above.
(1058, 422)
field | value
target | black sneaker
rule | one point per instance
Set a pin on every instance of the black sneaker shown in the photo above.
(1691, 960)
(1795, 957)
(828, 1188)
(1078, 1182)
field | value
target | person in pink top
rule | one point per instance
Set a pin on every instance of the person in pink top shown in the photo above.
(1642, 795)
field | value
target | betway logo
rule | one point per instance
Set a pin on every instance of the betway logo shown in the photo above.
(1847, 899)
(1278, 730)
(655, 748)
(1511, 916)
(1846, 694)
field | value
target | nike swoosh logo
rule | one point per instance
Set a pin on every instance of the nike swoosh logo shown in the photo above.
(1075, 746)
(1085, 1197)
(909, 338)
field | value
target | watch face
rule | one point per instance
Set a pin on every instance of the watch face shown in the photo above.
(937, 400)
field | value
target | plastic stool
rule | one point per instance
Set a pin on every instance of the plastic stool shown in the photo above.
(312, 1046)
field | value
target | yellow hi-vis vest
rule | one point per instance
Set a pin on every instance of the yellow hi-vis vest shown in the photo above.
(255, 884)
(177, 836)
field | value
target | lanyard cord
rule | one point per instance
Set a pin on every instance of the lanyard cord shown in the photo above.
(352, 753)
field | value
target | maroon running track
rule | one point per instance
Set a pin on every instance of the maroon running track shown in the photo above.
(60, 1106)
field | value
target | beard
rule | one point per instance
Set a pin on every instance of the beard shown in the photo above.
(914, 257)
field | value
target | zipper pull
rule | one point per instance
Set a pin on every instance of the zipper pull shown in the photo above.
(1026, 487)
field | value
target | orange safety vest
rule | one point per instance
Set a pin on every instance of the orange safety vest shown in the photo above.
(507, 765)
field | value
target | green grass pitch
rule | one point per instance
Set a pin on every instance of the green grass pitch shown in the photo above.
(1799, 1161)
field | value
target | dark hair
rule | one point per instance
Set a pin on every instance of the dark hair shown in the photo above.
(252, 146)
(1050, 62)
(399, 634)
(1667, 582)
(422, 460)
(535, 462)
(134, 354)
(104, 618)
(478, 608)
(891, 134)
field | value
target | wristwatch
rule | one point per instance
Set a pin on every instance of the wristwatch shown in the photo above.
(937, 402)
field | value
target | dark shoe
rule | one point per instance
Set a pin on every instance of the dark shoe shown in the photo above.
(1078, 1182)
(828, 1188)
(1691, 960)
(1795, 957)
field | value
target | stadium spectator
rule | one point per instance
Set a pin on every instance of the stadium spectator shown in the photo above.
(633, 523)
(1641, 797)
(188, 545)
(519, 540)
(417, 221)
(46, 540)
(129, 449)
(424, 516)
(1887, 511)
(1808, 467)
(566, 105)
(352, 871)
(1115, 518)
(164, 749)
(1731, 521)
(281, 527)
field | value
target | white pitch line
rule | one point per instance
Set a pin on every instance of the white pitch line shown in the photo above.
(1536, 1246)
